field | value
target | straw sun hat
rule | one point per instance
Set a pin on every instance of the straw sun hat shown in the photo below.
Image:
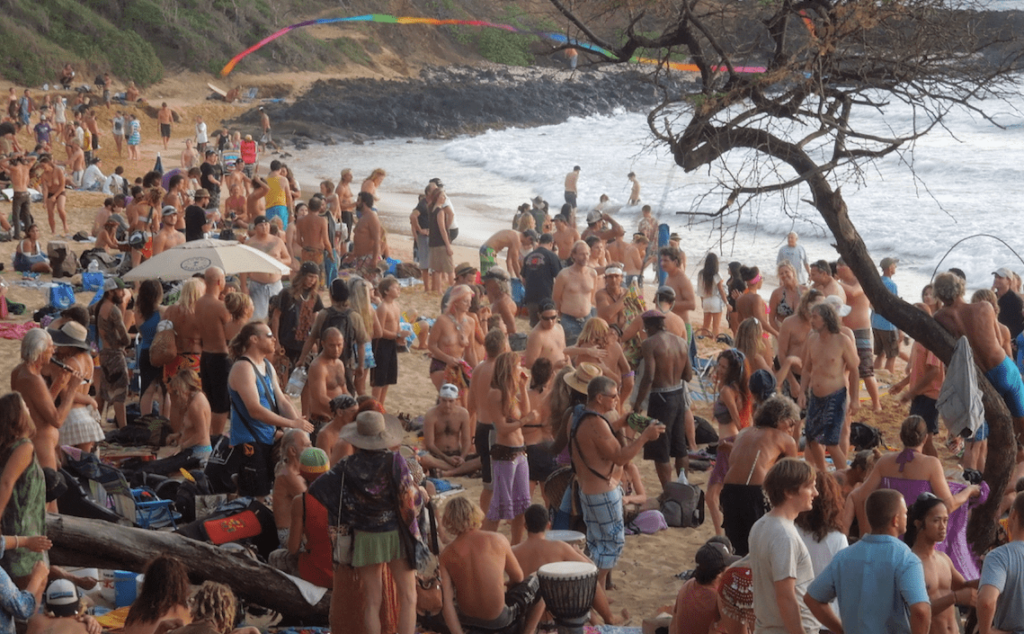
(579, 379)
(372, 431)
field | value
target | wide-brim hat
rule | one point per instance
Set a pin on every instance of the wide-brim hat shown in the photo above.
(581, 377)
(372, 431)
(837, 303)
(72, 334)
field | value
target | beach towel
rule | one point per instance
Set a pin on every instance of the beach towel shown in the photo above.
(16, 331)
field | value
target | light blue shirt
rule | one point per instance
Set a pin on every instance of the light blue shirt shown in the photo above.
(877, 321)
(798, 258)
(14, 603)
(875, 581)
(1004, 570)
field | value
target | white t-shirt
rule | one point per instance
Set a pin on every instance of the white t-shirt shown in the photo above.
(201, 133)
(92, 176)
(778, 553)
(448, 203)
(822, 552)
(113, 185)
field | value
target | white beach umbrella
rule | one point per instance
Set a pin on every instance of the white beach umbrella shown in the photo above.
(185, 260)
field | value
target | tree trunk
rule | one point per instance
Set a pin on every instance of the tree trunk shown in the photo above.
(1002, 445)
(91, 543)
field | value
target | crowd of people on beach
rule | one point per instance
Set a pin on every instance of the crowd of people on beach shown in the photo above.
(554, 365)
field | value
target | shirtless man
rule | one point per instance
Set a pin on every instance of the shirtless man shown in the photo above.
(611, 300)
(76, 163)
(343, 411)
(495, 343)
(26, 378)
(189, 156)
(107, 238)
(266, 139)
(829, 356)
(168, 237)
(616, 249)
(859, 320)
(54, 183)
(598, 259)
(671, 260)
(978, 323)
(236, 176)
(325, 380)
(19, 170)
(666, 371)
(595, 227)
(313, 238)
(499, 291)
(634, 192)
(945, 585)
(346, 202)
(664, 299)
(165, 118)
(537, 551)
(473, 569)
(564, 236)
(214, 365)
(372, 182)
(635, 259)
(448, 433)
(449, 341)
(262, 286)
(366, 237)
(256, 200)
(517, 243)
(822, 280)
(235, 209)
(793, 339)
(598, 458)
(571, 180)
(574, 291)
(547, 339)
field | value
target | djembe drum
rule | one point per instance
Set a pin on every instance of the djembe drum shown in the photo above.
(567, 588)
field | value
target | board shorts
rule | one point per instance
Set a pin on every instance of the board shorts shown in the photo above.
(980, 433)
(214, 368)
(185, 360)
(165, 129)
(488, 259)
(862, 337)
(385, 352)
(510, 476)
(278, 211)
(1005, 377)
(260, 295)
(924, 406)
(570, 197)
(886, 343)
(825, 416)
(114, 370)
(423, 252)
(742, 505)
(542, 463)
(606, 538)
(483, 439)
(668, 407)
(519, 598)
(365, 266)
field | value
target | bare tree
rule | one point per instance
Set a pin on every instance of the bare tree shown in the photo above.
(797, 128)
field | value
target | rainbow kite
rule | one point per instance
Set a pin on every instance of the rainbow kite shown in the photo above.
(390, 19)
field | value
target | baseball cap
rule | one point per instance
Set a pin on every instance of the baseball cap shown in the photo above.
(674, 236)
(593, 216)
(62, 598)
(667, 292)
(715, 557)
(464, 268)
(169, 210)
(449, 392)
(612, 270)
(532, 235)
(887, 262)
(537, 200)
(1003, 272)
(762, 384)
(113, 284)
(117, 219)
(837, 303)
(200, 193)
(258, 220)
(209, 152)
(652, 314)
(309, 268)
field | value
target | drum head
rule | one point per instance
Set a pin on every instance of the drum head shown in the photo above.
(565, 536)
(566, 569)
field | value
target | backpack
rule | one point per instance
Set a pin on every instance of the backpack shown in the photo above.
(864, 436)
(341, 320)
(682, 505)
(63, 261)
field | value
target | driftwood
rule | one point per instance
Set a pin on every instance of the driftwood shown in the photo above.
(91, 543)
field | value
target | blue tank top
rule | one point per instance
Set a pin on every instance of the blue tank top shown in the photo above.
(148, 330)
(245, 428)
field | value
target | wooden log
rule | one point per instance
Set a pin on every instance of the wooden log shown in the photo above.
(90, 543)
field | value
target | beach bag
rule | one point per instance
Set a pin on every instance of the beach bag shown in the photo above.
(62, 295)
(646, 523)
(63, 262)
(163, 349)
(92, 281)
(682, 505)
(864, 436)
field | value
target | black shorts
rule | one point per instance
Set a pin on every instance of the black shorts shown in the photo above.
(669, 408)
(165, 130)
(924, 407)
(570, 197)
(385, 353)
(541, 462)
(147, 371)
(886, 343)
(482, 444)
(348, 218)
(214, 368)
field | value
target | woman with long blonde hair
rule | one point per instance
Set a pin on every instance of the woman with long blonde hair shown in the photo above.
(187, 340)
(359, 300)
(599, 344)
(786, 298)
(751, 342)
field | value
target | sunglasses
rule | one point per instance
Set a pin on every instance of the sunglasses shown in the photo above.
(549, 318)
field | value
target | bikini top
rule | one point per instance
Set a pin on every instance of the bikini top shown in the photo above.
(784, 309)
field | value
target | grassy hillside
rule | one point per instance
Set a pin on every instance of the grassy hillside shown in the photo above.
(143, 39)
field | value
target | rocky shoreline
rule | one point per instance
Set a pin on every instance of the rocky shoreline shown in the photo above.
(445, 102)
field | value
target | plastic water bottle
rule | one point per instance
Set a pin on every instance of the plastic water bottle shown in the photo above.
(94, 266)
(296, 382)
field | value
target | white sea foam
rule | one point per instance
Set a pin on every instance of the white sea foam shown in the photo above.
(967, 182)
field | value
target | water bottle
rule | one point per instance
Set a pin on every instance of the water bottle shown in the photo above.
(296, 382)
(94, 266)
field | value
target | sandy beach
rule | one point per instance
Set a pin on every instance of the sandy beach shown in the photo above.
(645, 576)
